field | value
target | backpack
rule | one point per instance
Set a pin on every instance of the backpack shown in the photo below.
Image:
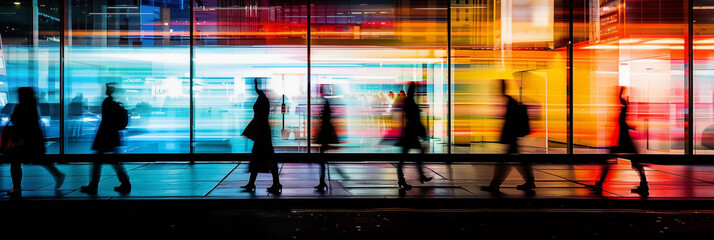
(523, 127)
(122, 116)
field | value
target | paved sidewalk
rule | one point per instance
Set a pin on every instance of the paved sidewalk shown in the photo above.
(361, 180)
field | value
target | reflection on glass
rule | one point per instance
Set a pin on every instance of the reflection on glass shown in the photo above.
(240, 41)
(143, 47)
(703, 77)
(365, 53)
(29, 57)
(523, 42)
(635, 48)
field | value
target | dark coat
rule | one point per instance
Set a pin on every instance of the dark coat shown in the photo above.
(509, 134)
(413, 128)
(624, 140)
(108, 137)
(326, 133)
(26, 119)
(259, 131)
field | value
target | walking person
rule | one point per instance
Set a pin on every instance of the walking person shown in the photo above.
(625, 146)
(108, 139)
(258, 130)
(26, 128)
(326, 136)
(412, 131)
(514, 126)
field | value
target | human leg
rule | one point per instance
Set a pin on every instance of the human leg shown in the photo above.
(322, 186)
(95, 175)
(56, 174)
(276, 187)
(250, 187)
(16, 174)
(400, 170)
(643, 188)
(123, 177)
(420, 166)
(526, 171)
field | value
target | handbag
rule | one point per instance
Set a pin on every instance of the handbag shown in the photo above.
(10, 139)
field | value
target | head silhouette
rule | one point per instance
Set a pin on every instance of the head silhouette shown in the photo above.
(110, 89)
(26, 95)
(411, 89)
(623, 98)
(256, 83)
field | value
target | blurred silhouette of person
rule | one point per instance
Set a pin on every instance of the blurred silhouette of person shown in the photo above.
(258, 130)
(411, 133)
(108, 139)
(75, 112)
(625, 146)
(513, 127)
(326, 136)
(25, 119)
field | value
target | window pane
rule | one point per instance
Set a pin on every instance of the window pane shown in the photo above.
(703, 77)
(523, 43)
(364, 53)
(238, 42)
(29, 57)
(144, 49)
(634, 50)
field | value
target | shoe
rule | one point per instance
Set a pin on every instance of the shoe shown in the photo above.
(249, 187)
(321, 187)
(14, 192)
(88, 189)
(642, 190)
(597, 187)
(60, 180)
(403, 185)
(424, 179)
(123, 188)
(275, 189)
(526, 186)
(490, 189)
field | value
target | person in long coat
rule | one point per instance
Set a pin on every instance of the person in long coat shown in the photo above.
(108, 139)
(625, 146)
(326, 137)
(258, 130)
(509, 137)
(25, 119)
(412, 131)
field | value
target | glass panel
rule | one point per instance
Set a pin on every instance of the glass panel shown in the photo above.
(636, 49)
(364, 53)
(525, 44)
(29, 57)
(237, 42)
(703, 76)
(142, 47)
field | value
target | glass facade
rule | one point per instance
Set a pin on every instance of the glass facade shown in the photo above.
(185, 70)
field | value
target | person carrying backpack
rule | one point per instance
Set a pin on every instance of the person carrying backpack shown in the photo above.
(516, 125)
(108, 139)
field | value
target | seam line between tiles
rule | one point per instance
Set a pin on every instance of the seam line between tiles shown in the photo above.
(679, 175)
(573, 181)
(223, 179)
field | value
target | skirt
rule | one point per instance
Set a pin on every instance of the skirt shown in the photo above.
(263, 158)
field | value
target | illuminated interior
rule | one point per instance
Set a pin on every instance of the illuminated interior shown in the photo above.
(353, 54)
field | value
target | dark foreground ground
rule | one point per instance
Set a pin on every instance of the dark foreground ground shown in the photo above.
(205, 201)
(210, 218)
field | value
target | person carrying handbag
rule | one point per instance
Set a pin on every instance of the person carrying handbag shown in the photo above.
(24, 142)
